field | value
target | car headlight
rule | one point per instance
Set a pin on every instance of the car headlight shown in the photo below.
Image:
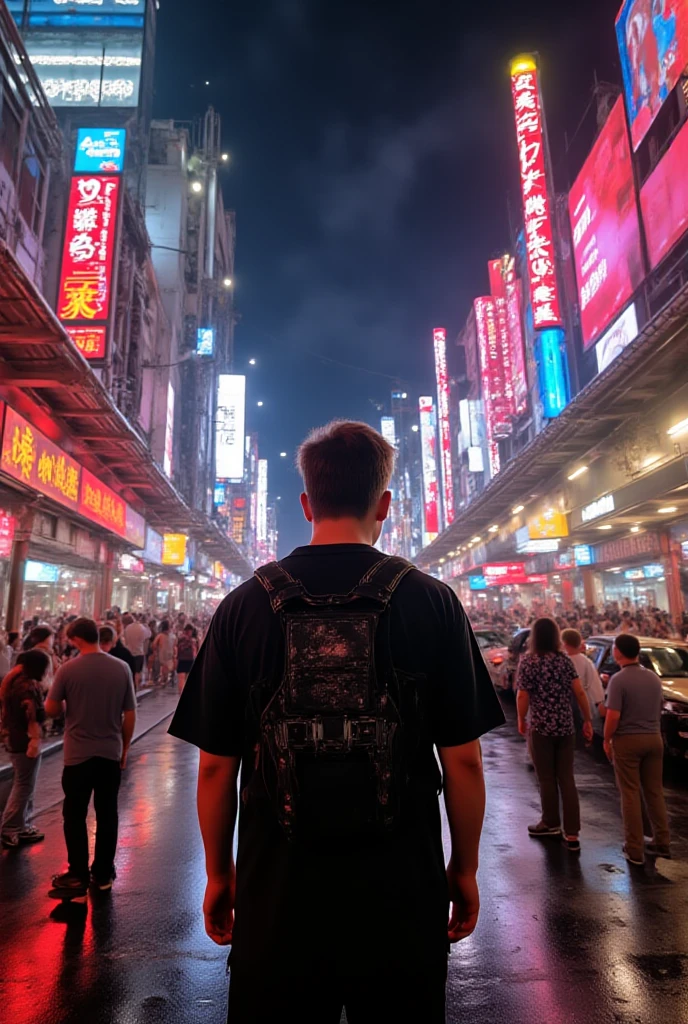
(674, 707)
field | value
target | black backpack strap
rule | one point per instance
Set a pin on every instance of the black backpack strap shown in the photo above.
(380, 582)
(279, 585)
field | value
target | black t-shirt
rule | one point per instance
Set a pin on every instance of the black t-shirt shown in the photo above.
(352, 909)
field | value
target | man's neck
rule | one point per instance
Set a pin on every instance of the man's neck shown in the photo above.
(90, 649)
(342, 531)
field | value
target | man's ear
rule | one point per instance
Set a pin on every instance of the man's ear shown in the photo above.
(306, 506)
(383, 507)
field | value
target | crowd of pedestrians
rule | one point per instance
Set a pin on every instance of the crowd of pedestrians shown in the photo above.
(40, 666)
(623, 617)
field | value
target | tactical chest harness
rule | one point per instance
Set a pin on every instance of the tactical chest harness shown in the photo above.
(332, 735)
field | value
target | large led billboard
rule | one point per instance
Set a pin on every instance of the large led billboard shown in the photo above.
(86, 53)
(653, 44)
(428, 440)
(606, 228)
(229, 439)
(100, 150)
(542, 271)
(439, 337)
(664, 200)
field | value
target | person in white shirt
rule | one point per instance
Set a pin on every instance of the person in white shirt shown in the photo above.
(135, 635)
(587, 673)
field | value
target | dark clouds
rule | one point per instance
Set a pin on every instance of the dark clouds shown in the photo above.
(372, 160)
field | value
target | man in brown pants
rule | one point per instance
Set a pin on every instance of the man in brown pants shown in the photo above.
(633, 741)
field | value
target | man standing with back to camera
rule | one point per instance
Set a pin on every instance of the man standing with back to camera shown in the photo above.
(330, 678)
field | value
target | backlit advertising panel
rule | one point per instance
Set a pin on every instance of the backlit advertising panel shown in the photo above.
(99, 151)
(428, 440)
(498, 292)
(388, 430)
(542, 274)
(174, 549)
(664, 200)
(619, 335)
(169, 431)
(262, 502)
(7, 527)
(606, 228)
(505, 574)
(134, 527)
(439, 337)
(29, 457)
(231, 415)
(653, 45)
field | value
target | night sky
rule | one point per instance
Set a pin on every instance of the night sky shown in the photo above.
(373, 163)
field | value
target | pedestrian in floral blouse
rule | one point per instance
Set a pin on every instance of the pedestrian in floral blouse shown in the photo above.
(546, 679)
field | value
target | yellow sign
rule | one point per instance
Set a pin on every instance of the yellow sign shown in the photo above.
(174, 548)
(549, 526)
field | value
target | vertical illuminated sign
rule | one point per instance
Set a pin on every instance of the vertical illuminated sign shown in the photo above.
(87, 277)
(428, 425)
(439, 337)
(229, 439)
(514, 306)
(169, 432)
(544, 294)
(388, 430)
(262, 502)
(498, 292)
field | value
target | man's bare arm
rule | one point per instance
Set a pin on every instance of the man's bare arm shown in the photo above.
(464, 798)
(217, 803)
(128, 726)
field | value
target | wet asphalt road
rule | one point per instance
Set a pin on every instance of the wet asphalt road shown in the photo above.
(561, 939)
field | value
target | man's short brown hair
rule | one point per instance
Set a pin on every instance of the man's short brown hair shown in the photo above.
(83, 629)
(346, 468)
(107, 635)
(572, 637)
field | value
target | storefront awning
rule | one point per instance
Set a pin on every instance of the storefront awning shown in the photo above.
(652, 366)
(44, 377)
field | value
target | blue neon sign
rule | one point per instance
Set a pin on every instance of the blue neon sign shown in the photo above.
(553, 372)
(100, 151)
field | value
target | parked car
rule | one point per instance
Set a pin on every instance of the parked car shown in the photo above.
(508, 669)
(495, 650)
(669, 659)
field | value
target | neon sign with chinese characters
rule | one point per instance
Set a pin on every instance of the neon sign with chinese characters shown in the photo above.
(86, 279)
(29, 457)
(101, 505)
(428, 424)
(542, 271)
(439, 336)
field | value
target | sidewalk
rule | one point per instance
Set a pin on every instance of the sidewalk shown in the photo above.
(154, 706)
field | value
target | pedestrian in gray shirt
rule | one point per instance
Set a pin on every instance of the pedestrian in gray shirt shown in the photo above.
(98, 692)
(633, 742)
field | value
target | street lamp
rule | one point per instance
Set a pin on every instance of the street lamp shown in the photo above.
(415, 428)
(225, 158)
(251, 362)
(283, 455)
(227, 282)
(259, 404)
(196, 187)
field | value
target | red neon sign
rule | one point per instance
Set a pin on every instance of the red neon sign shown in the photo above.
(440, 343)
(86, 278)
(544, 294)
(497, 417)
(429, 450)
(91, 341)
(101, 505)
